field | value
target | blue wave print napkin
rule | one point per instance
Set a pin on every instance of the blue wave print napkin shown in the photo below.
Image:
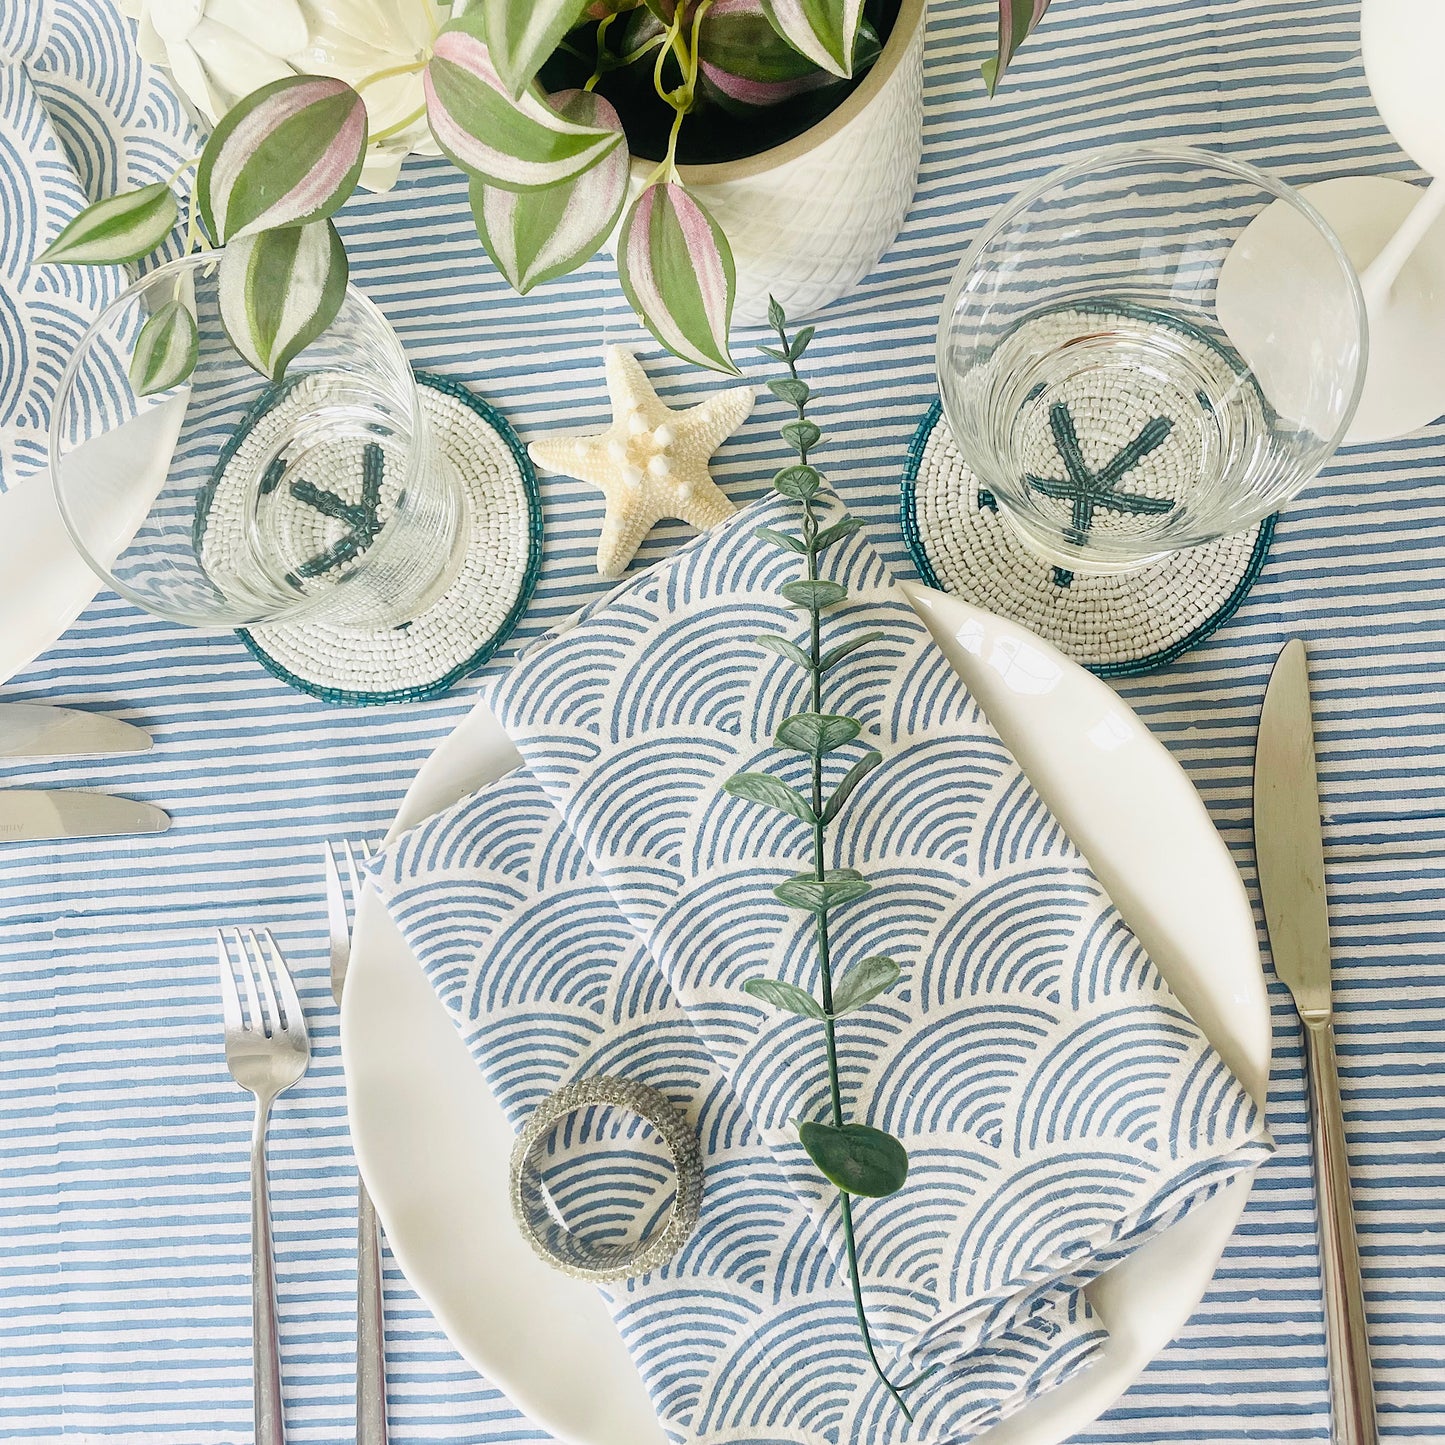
(747, 1336)
(1057, 1102)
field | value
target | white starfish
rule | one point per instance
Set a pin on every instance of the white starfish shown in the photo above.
(651, 462)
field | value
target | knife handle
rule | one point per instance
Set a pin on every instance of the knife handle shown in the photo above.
(1347, 1342)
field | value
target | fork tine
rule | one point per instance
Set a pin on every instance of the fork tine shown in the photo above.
(354, 869)
(230, 999)
(337, 920)
(248, 979)
(286, 987)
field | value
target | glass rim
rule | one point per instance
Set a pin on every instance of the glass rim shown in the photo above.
(190, 262)
(1219, 162)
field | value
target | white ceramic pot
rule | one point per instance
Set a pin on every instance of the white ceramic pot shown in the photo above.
(809, 219)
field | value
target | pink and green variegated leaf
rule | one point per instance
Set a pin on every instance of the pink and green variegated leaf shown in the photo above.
(518, 145)
(288, 154)
(536, 236)
(745, 62)
(119, 228)
(825, 31)
(677, 273)
(280, 290)
(166, 349)
(1016, 21)
(521, 34)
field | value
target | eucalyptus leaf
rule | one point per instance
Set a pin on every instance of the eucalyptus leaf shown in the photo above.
(763, 788)
(829, 535)
(800, 342)
(118, 229)
(801, 434)
(836, 887)
(521, 34)
(781, 539)
(790, 389)
(858, 1159)
(813, 595)
(287, 154)
(864, 981)
(280, 290)
(843, 649)
(800, 482)
(784, 648)
(777, 317)
(785, 996)
(851, 779)
(165, 350)
(816, 733)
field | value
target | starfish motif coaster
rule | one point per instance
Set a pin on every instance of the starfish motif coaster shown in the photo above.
(652, 462)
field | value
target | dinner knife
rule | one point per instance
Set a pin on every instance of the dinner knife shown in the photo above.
(33, 814)
(35, 730)
(1289, 850)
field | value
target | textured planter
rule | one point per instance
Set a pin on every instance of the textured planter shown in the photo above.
(809, 219)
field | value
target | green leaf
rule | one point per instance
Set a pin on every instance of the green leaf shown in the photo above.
(746, 65)
(858, 1159)
(1016, 18)
(762, 788)
(287, 154)
(784, 648)
(785, 996)
(280, 290)
(813, 595)
(789, 389)
(851, 779)
(118, 229)
(823, 30)
(800, 342)
(677, 273)
(781, 539)
(816, 733)
(829, 535)
(774, 353)
(535, 236)
(166, 349)
(801, 434)
(521, 34)
(798, 482)
(864, 981)
(836, 887)
(515, 144)
(777, 317)
(838, 653)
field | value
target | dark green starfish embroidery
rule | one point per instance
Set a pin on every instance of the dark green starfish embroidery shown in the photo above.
(1087, 489)
(361, 518)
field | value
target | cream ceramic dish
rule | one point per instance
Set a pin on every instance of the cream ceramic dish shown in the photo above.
(433, 1144)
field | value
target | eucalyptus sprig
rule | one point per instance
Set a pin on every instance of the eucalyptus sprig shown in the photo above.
(859, 1159)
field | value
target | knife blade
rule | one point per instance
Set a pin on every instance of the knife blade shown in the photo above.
(1289, 852)
(35, 814)
(36, 730)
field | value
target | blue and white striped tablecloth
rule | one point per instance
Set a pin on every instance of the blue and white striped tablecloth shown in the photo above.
(124, 1311)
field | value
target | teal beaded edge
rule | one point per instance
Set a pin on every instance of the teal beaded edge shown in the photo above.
(1131, 667)
(484, 654)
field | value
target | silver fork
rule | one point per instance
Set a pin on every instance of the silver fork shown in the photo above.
(267, 1050)
(370, 1305)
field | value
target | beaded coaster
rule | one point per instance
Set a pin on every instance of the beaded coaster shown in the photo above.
(476, 613)
(1116, 626)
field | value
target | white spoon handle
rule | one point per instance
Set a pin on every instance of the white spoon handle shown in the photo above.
(1380, 275)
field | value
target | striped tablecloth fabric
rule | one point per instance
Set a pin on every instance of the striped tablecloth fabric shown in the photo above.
(124, 1312)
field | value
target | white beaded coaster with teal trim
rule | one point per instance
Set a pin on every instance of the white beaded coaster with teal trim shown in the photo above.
(476, 613)
(1116, 626)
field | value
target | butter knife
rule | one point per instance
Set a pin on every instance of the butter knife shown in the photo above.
(33, 814)
(34, 730)
(1289, 850)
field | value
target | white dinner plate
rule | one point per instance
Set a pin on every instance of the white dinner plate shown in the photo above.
(433, 1144)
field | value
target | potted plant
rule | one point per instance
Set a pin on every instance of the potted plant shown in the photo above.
(723, 148)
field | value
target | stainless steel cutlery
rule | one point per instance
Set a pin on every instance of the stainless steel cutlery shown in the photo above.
(370, 1314)
(267, 1050)
(1290, 854)
(36, 730)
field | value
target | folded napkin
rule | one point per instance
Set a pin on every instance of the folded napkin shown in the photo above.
(1057, 1103)
(81, 117)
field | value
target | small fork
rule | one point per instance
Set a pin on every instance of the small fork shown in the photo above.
(370, 1305)
(267, 1050)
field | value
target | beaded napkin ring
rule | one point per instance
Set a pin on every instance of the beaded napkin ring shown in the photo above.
(537, 1220)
